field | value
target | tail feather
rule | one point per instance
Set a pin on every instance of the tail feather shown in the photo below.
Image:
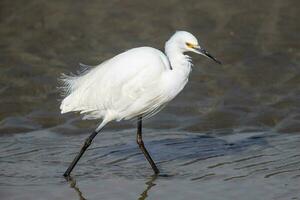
(69, 85)
(73, 81)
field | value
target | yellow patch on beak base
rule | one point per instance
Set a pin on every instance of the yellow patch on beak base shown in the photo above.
(190, 45)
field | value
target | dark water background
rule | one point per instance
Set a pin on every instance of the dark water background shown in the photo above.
(232, 133)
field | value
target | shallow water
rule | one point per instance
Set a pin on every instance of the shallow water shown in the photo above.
(232, 133)
(254, 165)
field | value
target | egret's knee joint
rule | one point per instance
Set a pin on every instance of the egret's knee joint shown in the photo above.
(139, 141)
(88, 142)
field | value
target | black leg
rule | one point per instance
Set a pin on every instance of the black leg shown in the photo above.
(140, 142)
(87, 143)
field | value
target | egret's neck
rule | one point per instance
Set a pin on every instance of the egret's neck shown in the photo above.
(179, 61)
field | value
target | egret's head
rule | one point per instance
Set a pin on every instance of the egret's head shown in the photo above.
(186, 42)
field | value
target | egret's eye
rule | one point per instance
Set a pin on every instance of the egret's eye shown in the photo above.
(189, 45)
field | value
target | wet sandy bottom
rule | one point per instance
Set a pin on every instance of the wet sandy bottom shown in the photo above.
(248, 165)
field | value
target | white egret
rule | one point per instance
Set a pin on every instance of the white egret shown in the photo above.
(134, 84)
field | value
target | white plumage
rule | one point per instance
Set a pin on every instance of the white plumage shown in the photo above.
(138, 82)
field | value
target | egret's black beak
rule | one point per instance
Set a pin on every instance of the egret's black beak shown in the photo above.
(202, 51)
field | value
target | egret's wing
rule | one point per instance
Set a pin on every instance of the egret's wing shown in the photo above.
(122, 84)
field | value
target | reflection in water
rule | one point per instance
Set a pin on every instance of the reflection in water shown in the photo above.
(73, 185)
(149, 185)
